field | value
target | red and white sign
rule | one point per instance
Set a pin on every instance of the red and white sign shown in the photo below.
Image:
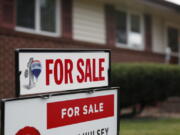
(52, 71)
(79, 110)
(72, 114)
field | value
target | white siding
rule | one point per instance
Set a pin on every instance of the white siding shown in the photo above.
(158, 35)
(89, 21)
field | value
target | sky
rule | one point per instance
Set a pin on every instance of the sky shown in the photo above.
(174, 1)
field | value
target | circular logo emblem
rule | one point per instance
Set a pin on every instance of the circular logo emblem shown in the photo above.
(28, 131)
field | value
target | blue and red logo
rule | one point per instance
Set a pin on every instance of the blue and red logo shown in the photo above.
(32, 72)
(36, 68)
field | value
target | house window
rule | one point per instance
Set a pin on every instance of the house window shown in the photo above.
(172, 34)
(38, 16)
(25, 13)
(129, 30)
(135, 24)
(121, 27)
(48, 18)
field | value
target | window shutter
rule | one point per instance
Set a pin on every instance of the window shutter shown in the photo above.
(67, 18)
(110, 25)
(148, 32)
(8, 13)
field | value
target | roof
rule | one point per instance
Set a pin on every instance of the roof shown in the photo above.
(166, 3)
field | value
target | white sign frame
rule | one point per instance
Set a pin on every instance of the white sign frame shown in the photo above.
(7, 116)
(22, 56)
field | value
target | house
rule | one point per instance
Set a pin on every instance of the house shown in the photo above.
(135, 30)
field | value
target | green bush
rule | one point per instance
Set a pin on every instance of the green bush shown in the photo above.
(145, 83)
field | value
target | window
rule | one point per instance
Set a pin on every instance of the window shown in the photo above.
(135, 32)
(122, 27)
(47, 16)
(172, 34)
(38, 16)
(135, 24)
(129, 30)
(25, 13)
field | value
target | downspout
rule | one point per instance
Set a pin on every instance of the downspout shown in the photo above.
(168, 55)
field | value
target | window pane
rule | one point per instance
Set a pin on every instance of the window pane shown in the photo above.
(173, 39)
(135, 39)
(135, 23)
(25, 13)
(121, 27)
(48, 15)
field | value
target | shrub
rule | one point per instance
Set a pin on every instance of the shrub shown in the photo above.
(145, 83)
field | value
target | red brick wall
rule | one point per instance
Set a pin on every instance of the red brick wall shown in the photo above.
(148, 32)
(0, 11)
(7, 13)
(9, 40)
(110, 25)
(67, 18)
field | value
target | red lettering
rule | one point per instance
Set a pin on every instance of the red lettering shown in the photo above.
(101, 69)
(48, 70)
(94, 71)
(58, 66)
(68, 71)
(88, 71)
(80, 77)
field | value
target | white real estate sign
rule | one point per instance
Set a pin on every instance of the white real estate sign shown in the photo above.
(75, 113)
(43, 71)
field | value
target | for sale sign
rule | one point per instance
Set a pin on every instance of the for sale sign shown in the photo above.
(42, 71)
(70, 114)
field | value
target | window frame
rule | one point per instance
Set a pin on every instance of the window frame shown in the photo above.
(128, 45)
(175, 26)
(37, 30)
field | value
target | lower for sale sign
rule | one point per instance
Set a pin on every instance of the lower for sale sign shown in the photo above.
(78, 113)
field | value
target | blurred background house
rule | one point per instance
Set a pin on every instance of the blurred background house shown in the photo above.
(135, 30)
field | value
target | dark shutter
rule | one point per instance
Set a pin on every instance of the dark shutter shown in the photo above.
(8, 13)
(110, 25)
(67, 18)
(148, 32)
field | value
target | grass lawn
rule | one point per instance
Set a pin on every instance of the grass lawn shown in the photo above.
(150, 127)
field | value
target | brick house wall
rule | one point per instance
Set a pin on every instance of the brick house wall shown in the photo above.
(10, 40)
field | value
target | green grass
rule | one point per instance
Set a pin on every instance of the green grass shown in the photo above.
(150, 127)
